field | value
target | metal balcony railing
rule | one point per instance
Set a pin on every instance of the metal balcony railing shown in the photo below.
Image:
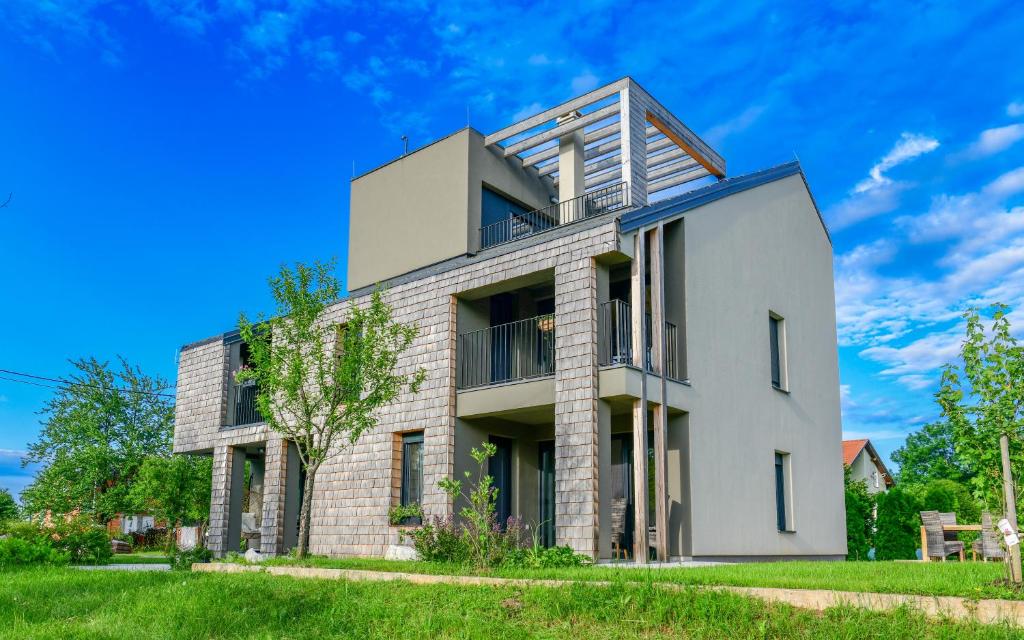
(615, 338)
(246, 411)
(506, 352)
(521, 225)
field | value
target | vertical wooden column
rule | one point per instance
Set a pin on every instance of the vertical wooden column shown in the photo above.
(633, 144)
(272, 524)
(638, 304)
(659, 361)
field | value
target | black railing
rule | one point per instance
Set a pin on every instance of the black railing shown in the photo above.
(615, 335)
(520, 225)
(246, 411)
(506, 352)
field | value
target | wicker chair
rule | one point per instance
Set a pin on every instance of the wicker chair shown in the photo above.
(618, 528)
(988, 544)
(938, 546)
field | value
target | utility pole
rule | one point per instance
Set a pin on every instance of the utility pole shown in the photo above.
(1009, 496)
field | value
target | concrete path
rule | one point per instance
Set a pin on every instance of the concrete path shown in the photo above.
(125, 567)
(954, 608)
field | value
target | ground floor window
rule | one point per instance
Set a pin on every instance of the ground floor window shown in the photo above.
(782, 497)
(412, 468)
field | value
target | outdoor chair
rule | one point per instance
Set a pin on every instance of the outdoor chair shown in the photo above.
(949, 518)
(938, 546)
(618, 528)
(988, 544)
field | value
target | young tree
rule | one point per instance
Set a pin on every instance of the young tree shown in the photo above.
(96, 433)
(986, 410)
(175, 489)
(319, 384)
(929, 454)
(8, 507)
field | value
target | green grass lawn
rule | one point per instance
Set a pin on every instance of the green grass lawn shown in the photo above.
(971, 579)
(67, 603)
(144, 557)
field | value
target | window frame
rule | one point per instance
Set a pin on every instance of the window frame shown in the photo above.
(777, 356)
(405, 470)
(784, 492)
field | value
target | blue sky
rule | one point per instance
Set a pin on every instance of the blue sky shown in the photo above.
(166, 156)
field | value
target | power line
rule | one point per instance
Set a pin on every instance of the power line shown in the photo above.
(66, 383)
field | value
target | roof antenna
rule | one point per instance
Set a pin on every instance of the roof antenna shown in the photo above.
(353, 169)
(405, 145)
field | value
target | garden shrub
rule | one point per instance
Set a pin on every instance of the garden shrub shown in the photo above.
(16, 552)
(83, 540)
(898, 532)
(440, 540)
(182, 560)
(538, 557)
(860, 521)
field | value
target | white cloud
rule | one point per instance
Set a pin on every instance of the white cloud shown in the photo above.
(531, 109)
(354, 37)
(909, 146)
(538, 60)
(874, 436)
(1015, 109)
(878, 193)
(584, 82)
(716, 134)
(993, 141)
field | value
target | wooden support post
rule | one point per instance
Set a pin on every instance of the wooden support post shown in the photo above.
(638, 291)
(1011, 506)
(660, 426)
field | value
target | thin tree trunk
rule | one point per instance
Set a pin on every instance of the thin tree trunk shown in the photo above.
(1011, 506)
(306, 512)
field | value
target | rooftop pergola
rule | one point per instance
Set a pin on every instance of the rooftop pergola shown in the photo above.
(628, 136)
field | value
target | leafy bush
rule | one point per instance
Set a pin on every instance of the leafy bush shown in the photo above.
(182, 560)
(24, 552)
(899, 525)
(538, 557)
(440, 541)
(84, 541)
(860, 521)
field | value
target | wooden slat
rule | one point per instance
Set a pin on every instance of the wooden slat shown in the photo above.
(665, 170)
(602, 178)
(589, 169)
(638, 323)
(659, 144)
(667, 156)
(601, 133)
(675, 181)
(660, 426)
(552, 113)
(561, 130)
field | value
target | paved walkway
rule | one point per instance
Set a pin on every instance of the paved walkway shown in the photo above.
(985, 611)
(125, 567)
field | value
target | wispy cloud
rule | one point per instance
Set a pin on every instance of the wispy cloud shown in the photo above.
(584, 82)
(1015, 109)
(878, 193)
(716, 134)
(993, 141)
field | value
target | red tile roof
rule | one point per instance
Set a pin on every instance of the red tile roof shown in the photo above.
(851, 448)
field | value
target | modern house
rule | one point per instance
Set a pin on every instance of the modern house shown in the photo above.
(866, 465)
(650, 346)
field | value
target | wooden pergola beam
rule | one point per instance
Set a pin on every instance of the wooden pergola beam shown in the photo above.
(676, 180)
(561, 130)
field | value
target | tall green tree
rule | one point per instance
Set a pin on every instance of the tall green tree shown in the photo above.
(860, 518)
(175, 489)
(898, 533)
(96, 431)
(983, 400)
(320, 384)
(8, 507)
(930, 454)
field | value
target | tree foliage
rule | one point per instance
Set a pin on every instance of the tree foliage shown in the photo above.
(860, 520)
(983, 400)
(95, 434)
(320, 384)
(898, 528)
(175, 489)
(8, 507)
(930, 454)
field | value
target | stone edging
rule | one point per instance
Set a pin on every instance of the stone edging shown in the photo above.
(950, 607)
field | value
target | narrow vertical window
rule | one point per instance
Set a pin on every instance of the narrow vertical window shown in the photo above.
(412, 468)
(776, 344)
(781, 491)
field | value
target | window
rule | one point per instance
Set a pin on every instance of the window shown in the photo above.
(412, 468)
(777, 347)
(783, 503)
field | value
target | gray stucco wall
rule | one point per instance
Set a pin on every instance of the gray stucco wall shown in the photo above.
(864, 469)
(425, 207)
(758, 251)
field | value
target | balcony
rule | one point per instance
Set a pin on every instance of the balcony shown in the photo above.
(615, 335)
(522, 225)
(508, 352)
(243, 400)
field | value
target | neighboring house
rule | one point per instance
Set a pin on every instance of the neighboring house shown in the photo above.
(865, 464)
(595, 324)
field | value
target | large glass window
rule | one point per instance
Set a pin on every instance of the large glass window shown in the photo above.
(412, 468)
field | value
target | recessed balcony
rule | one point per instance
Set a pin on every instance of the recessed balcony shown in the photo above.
(615, 333)
(507, 352)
